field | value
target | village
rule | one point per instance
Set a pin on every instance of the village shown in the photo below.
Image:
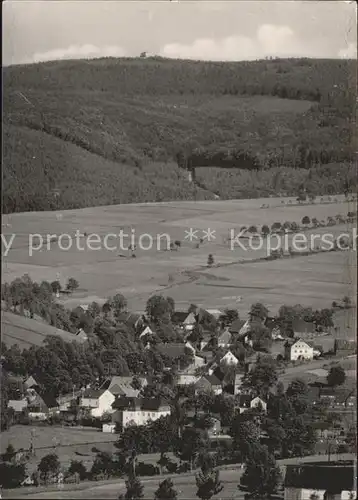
(214, 366)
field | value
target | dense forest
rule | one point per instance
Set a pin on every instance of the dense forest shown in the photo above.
(106, 131)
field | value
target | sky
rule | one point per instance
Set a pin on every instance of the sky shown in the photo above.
(43, 30)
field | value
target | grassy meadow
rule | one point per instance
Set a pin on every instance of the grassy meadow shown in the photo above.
(313, 280)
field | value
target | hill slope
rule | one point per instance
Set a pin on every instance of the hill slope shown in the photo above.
(108, 130)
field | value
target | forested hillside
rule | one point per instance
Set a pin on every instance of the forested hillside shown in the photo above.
(109, 130)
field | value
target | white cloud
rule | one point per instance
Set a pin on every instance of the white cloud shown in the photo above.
(216, 50)
(86, 51)
(349, 52)
(270, 40)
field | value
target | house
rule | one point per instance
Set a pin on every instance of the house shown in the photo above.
(147, 331)
(321, 480)
(245, 328)
(180, 319)
(239, 377)
(224, 339)
(81, 335)
(135, 411)
(187, 379)
(198, 362)
(208, 383)
(205, 343)
(123, 386)
(216, 313)
(189, 322)
(30, 382)
(109, 428)
(299, 350)
(258, 403)
(17, 405)
(247, 401)
(40, 405)
(66, 401)
(215, 427)
(97, 402)
(229, 359)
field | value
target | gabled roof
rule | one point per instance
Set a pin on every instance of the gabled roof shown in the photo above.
(124, 390)
(302, 340)
(146, 331)
(225, 337)
(245, 400)
(215, 312)
(30, 382)
(92, 393)
(190, 319)
(213, 380)
(154, 404)
(49, 400)
(229, 354)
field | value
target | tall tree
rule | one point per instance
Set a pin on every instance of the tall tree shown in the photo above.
(258, 311)
(208, 483)
(262, 376)
(261, 475)
(134, 488)
(159, 308)
(166, 491)
(336, 376)
(49, 466)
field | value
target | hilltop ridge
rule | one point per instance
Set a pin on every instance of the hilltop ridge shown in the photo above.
(83, 133)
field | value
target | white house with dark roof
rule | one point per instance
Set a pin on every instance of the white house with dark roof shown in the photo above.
(134, 411)
(299, 350)
(97, 402)
(189, 322)
(229, 359)
(224, 339)
(247, 401)
(146, 331)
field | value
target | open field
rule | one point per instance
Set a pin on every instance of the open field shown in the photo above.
(313, 280)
